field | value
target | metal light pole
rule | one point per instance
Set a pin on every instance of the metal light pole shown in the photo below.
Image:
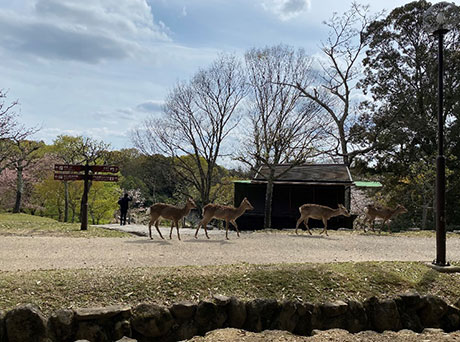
(438, 20)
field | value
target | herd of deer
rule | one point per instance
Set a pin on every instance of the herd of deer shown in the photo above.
(230, 214)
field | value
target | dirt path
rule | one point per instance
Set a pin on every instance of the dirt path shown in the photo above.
(29, 253)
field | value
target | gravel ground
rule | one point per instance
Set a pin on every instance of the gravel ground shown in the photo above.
(334, 335)
(40, 252)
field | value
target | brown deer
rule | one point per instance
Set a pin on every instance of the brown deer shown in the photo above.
(169, 212)
(319, 212)
(385, 213)
(223, 212)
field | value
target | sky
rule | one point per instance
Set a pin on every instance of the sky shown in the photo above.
(98, 68)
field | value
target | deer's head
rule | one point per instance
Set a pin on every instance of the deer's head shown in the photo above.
(245, 203)
(343, 211)
(191, 203)
(401, 209)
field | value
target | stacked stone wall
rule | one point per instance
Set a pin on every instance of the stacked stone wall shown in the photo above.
(150, 322)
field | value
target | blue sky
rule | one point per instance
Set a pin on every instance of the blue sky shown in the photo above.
(99, 67)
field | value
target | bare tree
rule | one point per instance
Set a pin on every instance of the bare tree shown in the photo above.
(284, 126)
(340, 71)
(197, 117)
(23, 154)
(11, 131)
(8, 121)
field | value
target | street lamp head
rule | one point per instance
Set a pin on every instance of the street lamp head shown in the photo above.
(441, 17)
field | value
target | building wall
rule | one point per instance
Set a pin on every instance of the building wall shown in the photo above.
(287, 198)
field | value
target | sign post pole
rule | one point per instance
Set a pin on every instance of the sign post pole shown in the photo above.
(84, 200)
(86, 177)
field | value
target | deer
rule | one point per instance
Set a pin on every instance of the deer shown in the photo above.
(319, 212)
(170, 212)
(223, 212)
(383, 212)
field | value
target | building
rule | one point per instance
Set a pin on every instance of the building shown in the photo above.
(325, 184)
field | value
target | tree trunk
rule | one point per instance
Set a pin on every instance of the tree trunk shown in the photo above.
(19, 190)
(66, 201)
(268, 200)
(84, 201)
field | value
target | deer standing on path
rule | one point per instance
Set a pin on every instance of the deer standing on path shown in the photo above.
(385, 213)
(170, 212)
(223, 212)
(319, 212)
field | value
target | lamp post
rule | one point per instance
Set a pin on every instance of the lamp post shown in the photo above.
(438, 20)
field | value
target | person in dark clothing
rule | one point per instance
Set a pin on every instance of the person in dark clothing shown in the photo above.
(124, 204)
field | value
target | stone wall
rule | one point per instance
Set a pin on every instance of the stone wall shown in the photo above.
(150, 322)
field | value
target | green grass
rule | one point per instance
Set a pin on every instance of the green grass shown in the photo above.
(55, 289)
(30, 225)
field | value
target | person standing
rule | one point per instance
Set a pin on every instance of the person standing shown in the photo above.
(124, 205)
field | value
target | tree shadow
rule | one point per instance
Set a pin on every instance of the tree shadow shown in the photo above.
(148, 241)
(308, 236)
(222, 242)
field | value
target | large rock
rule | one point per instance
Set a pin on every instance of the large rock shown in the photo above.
(183, 311)
(432, 312)
(184, 331)
(383, 314)
(151, 320)
(92, 331)
(261, 314)
(62, 325)
(122, 329)
(2, 326)
(209, 316)
(451, 320)
(236, 313)
(333, 315)
(126, 339)
(409, 304)
(304, 323)
(356, 319)
(26, 324)
(221, 300)
(287, 318)
(101, 313)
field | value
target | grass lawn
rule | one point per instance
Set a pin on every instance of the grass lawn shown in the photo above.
(55, 289)
(27, 225)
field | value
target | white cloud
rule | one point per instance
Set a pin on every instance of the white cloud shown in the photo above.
(150, 106)
(286, 9)
(84, 31)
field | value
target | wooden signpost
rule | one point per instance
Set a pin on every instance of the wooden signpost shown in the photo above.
(86, 177)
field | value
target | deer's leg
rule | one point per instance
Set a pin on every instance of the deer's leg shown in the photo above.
(388, 225)
(198, 228)
(226, 229)
(236, 227)
(325, 227)
(158, 229)
(151, 222)
(306, 225)
(299, 221)
(170, 232)
(150, 229)
(177, 227)
(205, 226)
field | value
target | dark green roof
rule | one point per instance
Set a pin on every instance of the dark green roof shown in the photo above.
(308, 173)
(365, 184)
